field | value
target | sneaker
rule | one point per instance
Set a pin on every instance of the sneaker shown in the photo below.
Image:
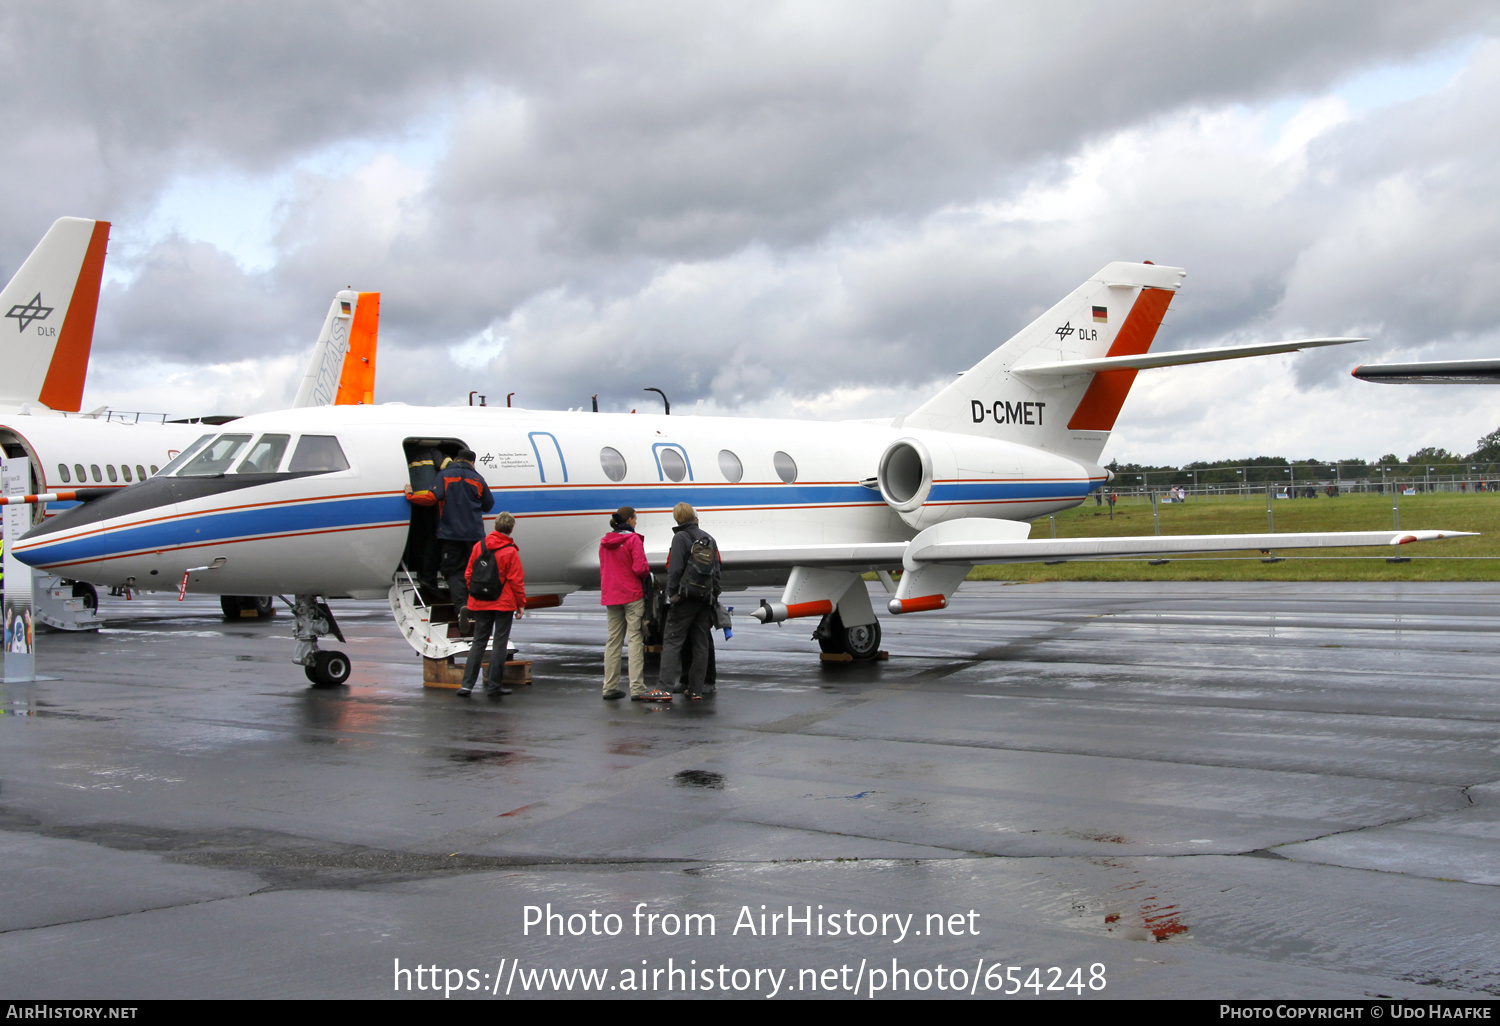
(613, 694)
(464, 692)
(652, 696)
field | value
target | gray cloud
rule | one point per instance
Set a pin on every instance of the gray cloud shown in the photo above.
(746, 201)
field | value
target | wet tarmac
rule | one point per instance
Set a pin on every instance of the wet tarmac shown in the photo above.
(1180, 790)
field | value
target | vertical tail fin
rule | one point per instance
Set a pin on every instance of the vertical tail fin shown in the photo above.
(342, 369)
(48, 310)
(1114, 313)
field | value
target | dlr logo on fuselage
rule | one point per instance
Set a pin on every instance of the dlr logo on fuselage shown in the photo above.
(1002, 412)
(46, 332)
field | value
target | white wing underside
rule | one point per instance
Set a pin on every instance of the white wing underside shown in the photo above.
(892, 555)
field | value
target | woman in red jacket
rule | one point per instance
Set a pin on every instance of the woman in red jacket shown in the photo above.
(495, 614)
(622, 568)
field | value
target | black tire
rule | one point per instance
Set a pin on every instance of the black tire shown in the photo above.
(265, 606)
(258, 607)
(88, 594)
(862, 642)
(230, 604)
(329, 669)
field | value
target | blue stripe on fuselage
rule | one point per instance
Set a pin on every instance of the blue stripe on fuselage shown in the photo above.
(338, 514)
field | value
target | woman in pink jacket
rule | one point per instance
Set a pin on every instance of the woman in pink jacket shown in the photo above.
(622, 565)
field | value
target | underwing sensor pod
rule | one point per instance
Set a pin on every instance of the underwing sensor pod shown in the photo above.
(810, 506)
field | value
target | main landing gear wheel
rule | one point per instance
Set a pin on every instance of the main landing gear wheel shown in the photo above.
(861, 642)
(329, 669)
(249, 607)
(88, 594)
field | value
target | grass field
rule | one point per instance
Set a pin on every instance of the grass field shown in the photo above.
(1433, 561)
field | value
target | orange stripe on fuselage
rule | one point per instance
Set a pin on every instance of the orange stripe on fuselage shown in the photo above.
(62, 389)
(1106, 393)
(357, 381)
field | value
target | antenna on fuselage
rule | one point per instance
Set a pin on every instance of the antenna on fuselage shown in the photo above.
(664, 401)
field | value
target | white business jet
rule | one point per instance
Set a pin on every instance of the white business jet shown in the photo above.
(309, 502)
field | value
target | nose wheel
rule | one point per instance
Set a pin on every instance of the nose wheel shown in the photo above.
(329, 669)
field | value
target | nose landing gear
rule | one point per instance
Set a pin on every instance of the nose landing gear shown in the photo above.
(314, 620)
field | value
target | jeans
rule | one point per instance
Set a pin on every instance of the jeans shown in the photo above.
(625, 623)
(688, 622)
(486, 620)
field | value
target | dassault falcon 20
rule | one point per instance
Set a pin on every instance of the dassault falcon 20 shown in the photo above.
(931, 493)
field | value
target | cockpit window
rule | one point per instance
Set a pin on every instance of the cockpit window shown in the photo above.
(265, 455)
(179, 459)
(215, 457)
(317, 454)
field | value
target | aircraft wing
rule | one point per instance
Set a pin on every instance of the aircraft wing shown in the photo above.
(1433, 372)
(981, 551)
(1178, 358)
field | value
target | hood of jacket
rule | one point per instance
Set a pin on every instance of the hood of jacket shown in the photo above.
(495, 541)
(615, 539)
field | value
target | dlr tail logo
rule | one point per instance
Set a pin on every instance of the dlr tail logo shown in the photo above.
(1002, 412)
(46, 332)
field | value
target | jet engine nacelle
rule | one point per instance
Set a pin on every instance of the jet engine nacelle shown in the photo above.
(929, 477)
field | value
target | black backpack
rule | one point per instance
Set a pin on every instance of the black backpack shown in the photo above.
(484, 578)
(697, 581)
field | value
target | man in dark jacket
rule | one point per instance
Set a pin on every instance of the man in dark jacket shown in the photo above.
(463, 498)
(689, 619)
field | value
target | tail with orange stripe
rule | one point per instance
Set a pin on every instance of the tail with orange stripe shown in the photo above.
(342, 369)
(1113, 314)
(48, 310)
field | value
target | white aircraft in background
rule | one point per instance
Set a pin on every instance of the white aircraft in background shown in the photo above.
(310, 502)
(53, 299)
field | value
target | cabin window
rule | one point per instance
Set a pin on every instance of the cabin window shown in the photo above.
(125, 472)
(318, 454)
(153, 470)
(613, 463)
(265, 455)
(672, 464)
(786, 467)
(113, 477)
(216, 457)
(94, 467)
(140, 472)
(62, 472)
(730, 466)
(82, 477)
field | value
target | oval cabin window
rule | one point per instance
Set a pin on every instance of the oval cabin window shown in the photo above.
(613, 463)
(113, 477)
(730, 466)
(673, 465)
(140, 472)
(78, 469)
(94, 467)
(125, 472)
(786, 467)
(62, 472)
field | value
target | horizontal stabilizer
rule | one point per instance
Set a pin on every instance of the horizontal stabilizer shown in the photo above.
(1173, 359)
(1435, 372)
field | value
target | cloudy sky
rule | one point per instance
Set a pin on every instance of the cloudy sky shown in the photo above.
(816, 210)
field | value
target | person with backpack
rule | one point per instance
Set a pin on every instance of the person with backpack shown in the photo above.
(462, 498)
(496, 596)
(623, 579)
(692, 591)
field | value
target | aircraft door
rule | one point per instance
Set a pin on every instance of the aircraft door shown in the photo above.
(550, 463)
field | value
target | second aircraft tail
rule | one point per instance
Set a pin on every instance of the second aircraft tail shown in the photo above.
(342, 369)
(48, 310)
